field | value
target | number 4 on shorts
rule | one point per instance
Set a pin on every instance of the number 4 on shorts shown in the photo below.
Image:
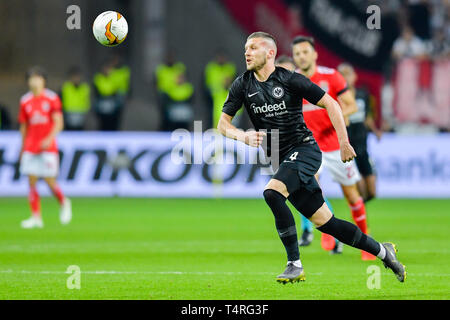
(293, 156)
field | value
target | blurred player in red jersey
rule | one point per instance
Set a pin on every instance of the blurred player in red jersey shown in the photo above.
(40, 119)
(318, 121)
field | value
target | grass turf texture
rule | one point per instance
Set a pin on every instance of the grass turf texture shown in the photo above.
(211, 249)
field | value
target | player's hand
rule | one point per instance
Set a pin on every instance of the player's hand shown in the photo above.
(347, 152)
(45, 144)
(254, 138)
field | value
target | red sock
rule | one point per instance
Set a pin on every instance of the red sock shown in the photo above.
(35, 202)
(58, 194)
(359, 215)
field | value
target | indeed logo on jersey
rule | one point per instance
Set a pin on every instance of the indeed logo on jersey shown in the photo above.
(270, 110)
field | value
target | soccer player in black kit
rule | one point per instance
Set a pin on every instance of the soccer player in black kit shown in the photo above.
(357, 131)
(273, 97)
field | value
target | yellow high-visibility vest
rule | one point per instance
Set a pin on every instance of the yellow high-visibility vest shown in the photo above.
(166, 76)
(216, 74)
(105, 84)
(122, 78)
(75, 98)
(181, 92)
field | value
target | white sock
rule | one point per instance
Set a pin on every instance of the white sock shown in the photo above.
(382, 253)
(297, 263)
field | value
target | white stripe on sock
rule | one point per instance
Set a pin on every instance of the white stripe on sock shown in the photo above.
(382, 253)
(297, 263)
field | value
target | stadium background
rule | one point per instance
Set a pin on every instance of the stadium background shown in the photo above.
(413, 157)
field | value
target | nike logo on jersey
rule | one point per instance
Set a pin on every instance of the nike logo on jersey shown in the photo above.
(251, 95)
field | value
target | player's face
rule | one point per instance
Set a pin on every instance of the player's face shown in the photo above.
(304, 55)
(255, 54)
(36, 83)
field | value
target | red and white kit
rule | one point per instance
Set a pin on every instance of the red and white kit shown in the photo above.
(36, 112)
(318, 121)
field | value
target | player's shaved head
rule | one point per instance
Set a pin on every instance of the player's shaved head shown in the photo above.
(260, 50)
(269, 40)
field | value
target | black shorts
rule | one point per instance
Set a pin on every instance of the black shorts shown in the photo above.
(297, 171)
(363, 162)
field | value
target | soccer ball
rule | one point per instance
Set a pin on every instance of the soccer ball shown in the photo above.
(110, 28)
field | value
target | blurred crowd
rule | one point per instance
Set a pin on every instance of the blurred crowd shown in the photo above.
(418, 77)
(108, 93)
(416, 95)
(175, 92)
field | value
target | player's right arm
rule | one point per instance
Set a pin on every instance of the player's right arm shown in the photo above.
(23, 132)
(23, 126)
(337, 119)
(232, 105)
(225, 127)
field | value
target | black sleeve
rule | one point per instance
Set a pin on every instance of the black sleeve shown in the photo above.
(306, 88)
(235, 98)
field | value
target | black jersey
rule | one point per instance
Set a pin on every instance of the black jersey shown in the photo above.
(357, 131)
(275, 104)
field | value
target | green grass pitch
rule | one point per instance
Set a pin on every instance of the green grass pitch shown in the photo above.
(211, 249)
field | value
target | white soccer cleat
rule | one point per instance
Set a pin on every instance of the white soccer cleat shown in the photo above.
(32, 222)
(65, 213)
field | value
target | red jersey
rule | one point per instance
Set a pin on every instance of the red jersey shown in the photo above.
(316, 118)
(36, 112)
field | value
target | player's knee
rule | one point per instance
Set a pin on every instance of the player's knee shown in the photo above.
(321, 216)
(272, 196)
(278, 186)
(313, 203)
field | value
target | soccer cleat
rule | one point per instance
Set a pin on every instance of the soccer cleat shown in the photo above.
(291, 274)
(365, 256)
(338, 248)
(328, 242)
(32, 222)
(65, 212)
(391, 262)
(307, 238)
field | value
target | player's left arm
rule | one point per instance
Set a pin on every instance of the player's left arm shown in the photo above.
(315, 95)
(337, 119)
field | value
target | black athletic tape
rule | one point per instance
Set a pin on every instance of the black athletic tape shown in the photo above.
(286, 232)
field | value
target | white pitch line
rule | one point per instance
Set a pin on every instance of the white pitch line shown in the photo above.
(144, 272)
(192, 273)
